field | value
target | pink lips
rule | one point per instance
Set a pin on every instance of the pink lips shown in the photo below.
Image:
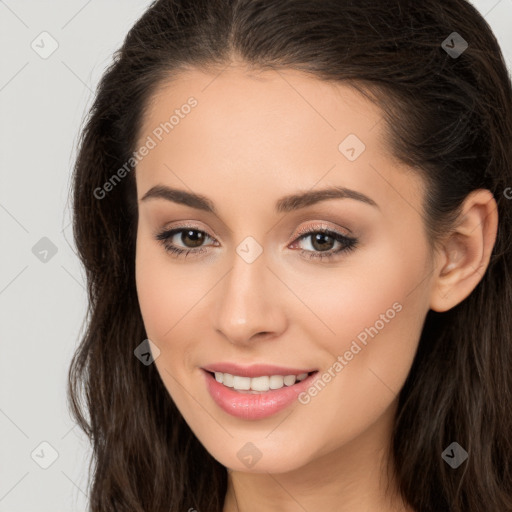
(254, 406)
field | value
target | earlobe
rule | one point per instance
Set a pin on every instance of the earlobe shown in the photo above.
(466, 252)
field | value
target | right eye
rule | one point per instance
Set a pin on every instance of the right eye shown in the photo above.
(191, 238)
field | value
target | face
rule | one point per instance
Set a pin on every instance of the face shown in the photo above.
(253, 281)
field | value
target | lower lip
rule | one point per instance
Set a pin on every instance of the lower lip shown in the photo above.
(255, 406)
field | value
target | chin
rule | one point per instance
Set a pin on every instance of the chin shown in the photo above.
(255, 457)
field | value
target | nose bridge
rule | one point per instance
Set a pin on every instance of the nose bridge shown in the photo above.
(248, 301)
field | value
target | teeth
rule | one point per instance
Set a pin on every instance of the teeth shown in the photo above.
(243, 383)
(264, 383)
(227, 380)
(276, 382)
(289, 380)
(260, 383)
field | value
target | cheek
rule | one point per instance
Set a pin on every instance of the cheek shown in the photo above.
(158, 294)
(170, 299)
(374, 308)
(366, 285)
(152, 294)
(369, 360)
(162, 308)
(165, 292)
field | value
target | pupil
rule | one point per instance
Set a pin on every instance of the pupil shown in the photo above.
(196, 237)
(319, 237)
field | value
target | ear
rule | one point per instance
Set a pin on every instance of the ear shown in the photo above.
(465, 252)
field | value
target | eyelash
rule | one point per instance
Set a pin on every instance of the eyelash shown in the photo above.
(348, 243)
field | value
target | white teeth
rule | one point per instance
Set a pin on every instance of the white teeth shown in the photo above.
(260, 383)
(289, 380)
(242, 383)
(276, 382)
(227, 380)
(263, 383)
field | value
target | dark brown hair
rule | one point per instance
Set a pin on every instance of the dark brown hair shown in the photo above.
(448, 117)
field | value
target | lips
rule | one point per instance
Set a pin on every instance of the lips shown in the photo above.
(251, 405)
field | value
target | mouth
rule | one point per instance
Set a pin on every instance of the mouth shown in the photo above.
(258, 396)
(259, 384)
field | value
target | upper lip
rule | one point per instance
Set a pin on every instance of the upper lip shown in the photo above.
(255, 370)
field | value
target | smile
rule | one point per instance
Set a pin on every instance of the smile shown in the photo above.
(258, 396)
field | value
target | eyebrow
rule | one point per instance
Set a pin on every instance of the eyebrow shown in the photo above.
(283, 205)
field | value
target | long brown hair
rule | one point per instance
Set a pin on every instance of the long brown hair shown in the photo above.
(448, 116)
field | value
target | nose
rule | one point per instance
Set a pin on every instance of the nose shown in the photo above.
(249, 303)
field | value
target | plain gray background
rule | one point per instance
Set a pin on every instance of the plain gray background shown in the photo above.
(43, 100)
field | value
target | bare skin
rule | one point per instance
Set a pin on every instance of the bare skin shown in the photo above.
(252, 139)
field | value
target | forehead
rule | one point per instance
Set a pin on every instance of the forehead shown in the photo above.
(267, 104)
(254, 131)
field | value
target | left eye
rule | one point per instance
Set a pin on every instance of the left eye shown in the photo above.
(321, 240)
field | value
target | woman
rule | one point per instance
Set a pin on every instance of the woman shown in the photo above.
(295, 222)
